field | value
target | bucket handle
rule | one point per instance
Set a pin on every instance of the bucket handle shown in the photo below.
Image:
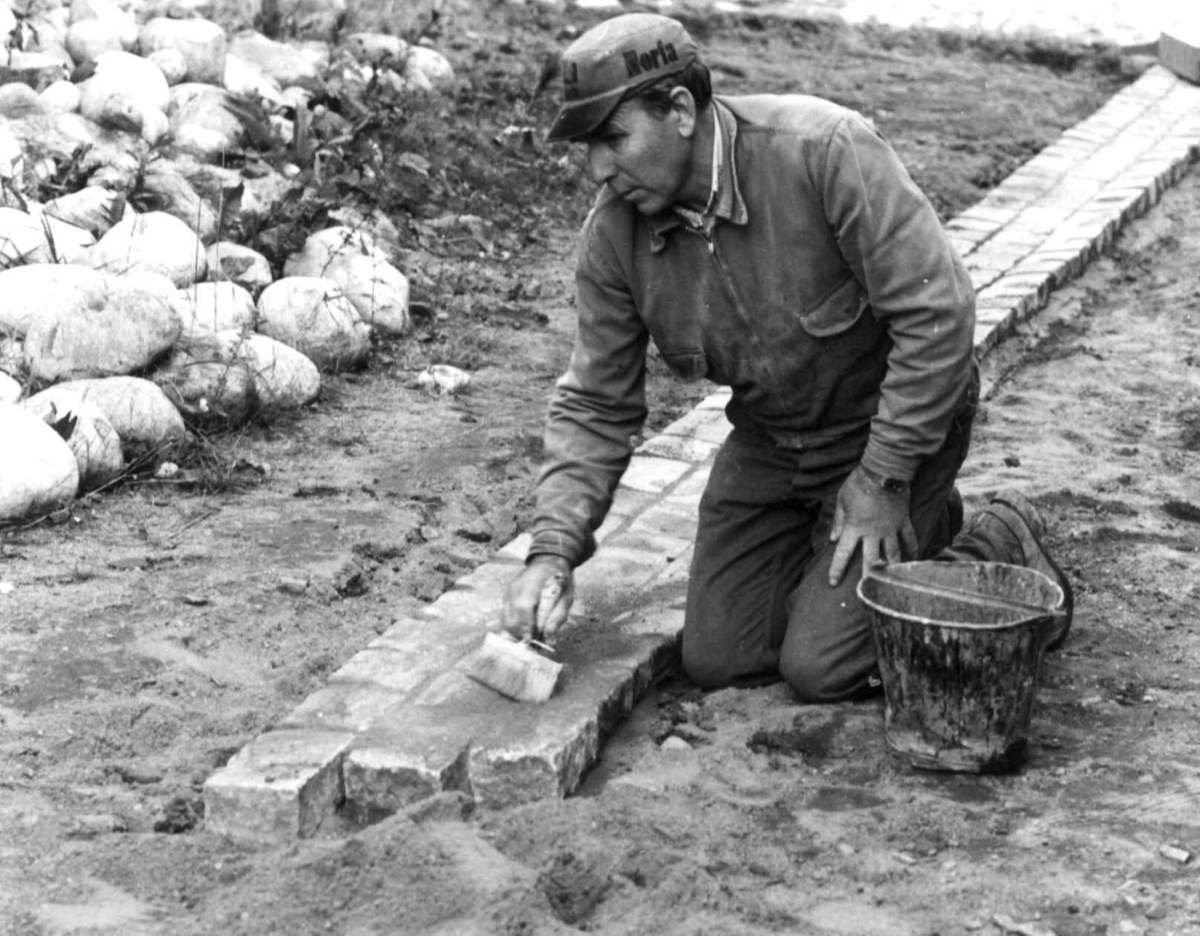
(949, 591)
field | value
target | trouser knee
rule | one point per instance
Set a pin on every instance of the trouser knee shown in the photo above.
(816, 684)
(706, 670)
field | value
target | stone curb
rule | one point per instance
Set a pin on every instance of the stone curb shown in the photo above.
(400, 722)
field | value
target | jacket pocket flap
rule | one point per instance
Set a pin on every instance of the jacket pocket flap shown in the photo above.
(837, 311)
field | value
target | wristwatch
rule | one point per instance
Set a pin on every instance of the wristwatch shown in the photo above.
(888, 485)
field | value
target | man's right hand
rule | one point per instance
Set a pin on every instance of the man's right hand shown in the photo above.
(537, 601)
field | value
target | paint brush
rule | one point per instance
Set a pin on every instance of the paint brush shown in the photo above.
(524, 670)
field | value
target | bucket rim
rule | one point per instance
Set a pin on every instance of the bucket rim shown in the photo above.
(1022, 621)
(956, 625)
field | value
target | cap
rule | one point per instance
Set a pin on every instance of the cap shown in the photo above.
(609, 60)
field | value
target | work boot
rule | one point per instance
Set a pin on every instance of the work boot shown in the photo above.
(1014, 528)
(954, 512)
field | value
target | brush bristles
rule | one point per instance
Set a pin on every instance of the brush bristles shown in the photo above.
(513, 669)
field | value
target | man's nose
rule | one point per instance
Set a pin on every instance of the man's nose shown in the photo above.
(599, 163)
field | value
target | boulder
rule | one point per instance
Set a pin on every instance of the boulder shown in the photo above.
(62, 95)
(140, 412)
(207, 387)
(154, 242)
(18, 99)
(69, 243)
(22, 239)
(110, 12)
(27, 290)
(44, 29)
(321, 19)
(285, 63)
(427, 69)
(202, 122)
(207, 308)
(90, 436)
(313, 316)
(12, 354)
(12, 159)
(10, 388)
(239, 264)
(38, 473)
(89, 38)
(122, 75)
(284, 377)
(246, 80)
(156, 126)
(377, 290)
(174, 194)
(377, 48)
(172, 63)
(121, 327)
(380, 230)
(322, 247)
(38, 69)
(92, 208)
(201, 41)
(104, 157)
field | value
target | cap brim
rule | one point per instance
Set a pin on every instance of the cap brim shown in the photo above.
(579, 118)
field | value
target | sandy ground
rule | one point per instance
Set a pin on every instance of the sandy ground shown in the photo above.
(150, 633)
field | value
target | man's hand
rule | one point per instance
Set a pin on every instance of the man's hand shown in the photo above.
(876, 518)
(537, 601)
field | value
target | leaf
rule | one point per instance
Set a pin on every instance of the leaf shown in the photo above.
(415, 162)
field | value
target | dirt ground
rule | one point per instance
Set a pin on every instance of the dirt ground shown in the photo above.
(151, 631)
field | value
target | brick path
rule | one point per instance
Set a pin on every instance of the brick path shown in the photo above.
(398, 723)
(1120, 22)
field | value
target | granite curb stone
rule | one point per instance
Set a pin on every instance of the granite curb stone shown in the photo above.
(399, 723)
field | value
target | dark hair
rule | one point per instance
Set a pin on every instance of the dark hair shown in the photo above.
(656, 96)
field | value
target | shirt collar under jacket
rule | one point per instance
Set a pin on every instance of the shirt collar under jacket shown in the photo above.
(725, 201)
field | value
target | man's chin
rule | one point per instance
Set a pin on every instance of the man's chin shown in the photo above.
(647, 204)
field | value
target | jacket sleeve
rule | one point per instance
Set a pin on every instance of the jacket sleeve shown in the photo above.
(597, 406)
(917, 285)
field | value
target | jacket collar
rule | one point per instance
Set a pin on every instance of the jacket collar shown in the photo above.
(729, 205)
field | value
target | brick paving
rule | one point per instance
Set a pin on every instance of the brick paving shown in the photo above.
(399, 722)
(1117, 22)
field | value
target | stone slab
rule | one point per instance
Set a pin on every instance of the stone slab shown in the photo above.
(283, 784)
(1179, 50)
(459, 735)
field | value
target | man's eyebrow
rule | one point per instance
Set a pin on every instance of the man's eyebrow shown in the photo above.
(597, 133)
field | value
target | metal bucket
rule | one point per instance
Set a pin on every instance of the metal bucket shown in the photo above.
(960, 648)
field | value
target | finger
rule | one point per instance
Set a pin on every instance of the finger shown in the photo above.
(517, 621)
(517, 615)
(841, 559)
(839, 522)
(551, 619)
(908, 539)
(891, 548)
(870, 547)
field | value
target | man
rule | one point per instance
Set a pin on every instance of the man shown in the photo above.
(776, 245)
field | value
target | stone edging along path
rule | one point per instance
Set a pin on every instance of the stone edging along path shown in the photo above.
(399, 723)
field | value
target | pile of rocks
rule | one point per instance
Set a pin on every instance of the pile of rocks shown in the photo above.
(137, 324)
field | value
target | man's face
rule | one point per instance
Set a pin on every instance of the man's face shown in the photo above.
(643, 158)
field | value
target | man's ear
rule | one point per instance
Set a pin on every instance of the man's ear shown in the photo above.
(683, 107)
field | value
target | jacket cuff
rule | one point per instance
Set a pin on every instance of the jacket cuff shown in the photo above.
(887, 464)
(556, 543)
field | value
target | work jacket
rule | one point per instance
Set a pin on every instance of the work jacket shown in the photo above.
(826, 295)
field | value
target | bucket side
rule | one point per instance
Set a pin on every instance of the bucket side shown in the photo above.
(958, 698)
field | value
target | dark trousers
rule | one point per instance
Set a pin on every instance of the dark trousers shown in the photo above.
(759, 601)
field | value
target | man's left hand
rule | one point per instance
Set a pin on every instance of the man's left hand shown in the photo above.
(876, 518)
